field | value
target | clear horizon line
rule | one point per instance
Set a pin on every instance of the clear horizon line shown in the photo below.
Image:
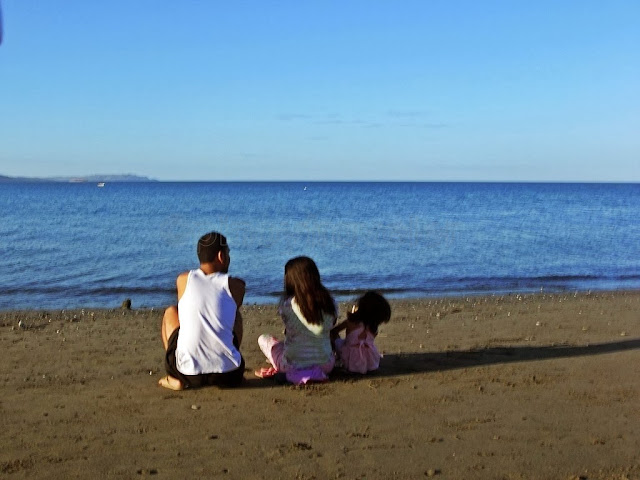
(62, 178)
(390, 181)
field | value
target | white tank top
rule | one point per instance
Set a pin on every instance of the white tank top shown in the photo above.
(207, 314)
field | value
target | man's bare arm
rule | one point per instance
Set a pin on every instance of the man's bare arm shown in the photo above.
(181, 283)
(237, 287)
(238, 327)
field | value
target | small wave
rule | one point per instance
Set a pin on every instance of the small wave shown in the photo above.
(96, 291)
(148, 294)
(361, 291)
(488, 285)
(350, 291)
(490, 281)
(568, 278)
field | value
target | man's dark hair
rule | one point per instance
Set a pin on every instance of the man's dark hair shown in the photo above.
(209, 245)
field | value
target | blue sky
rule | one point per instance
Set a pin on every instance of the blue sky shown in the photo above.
(322, 90)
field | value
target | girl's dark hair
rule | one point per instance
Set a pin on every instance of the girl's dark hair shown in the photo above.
(373, 309)
(302, 281)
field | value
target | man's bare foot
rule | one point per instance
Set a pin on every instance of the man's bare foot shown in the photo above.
(170, 383)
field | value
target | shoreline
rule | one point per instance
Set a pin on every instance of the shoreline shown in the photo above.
(505, 386)
(344, 299)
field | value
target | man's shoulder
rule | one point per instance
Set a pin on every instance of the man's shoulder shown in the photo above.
(181, 283)
(237, 287)
(237, 284)
(237, 281)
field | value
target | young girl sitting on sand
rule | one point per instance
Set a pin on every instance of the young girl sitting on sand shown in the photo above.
(308, 312)
(357, 351)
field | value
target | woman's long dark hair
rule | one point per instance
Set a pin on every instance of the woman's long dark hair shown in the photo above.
(302, 281)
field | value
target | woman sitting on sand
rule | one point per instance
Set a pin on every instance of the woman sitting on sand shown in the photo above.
(308, 312)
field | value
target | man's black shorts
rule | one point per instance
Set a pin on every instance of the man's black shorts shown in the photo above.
(227, 379)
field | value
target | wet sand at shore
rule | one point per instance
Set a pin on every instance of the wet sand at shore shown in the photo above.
(511, 387)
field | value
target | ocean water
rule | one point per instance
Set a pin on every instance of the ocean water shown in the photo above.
(76, 245)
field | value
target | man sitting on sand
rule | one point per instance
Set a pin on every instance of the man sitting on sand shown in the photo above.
(202, 334)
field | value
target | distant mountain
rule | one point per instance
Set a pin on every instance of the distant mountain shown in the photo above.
(85, 179)
(5, 179)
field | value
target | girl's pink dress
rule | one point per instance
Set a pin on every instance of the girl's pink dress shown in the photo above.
(358, 351)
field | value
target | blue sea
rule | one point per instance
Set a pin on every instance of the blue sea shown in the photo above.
(65, 245)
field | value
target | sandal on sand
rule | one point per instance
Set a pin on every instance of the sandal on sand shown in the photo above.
(170, 383)
(265, 372)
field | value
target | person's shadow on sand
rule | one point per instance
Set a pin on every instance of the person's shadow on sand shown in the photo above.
(396, 364)
(408, 363)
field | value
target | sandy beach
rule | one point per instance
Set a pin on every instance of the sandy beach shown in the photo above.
(538, 386)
